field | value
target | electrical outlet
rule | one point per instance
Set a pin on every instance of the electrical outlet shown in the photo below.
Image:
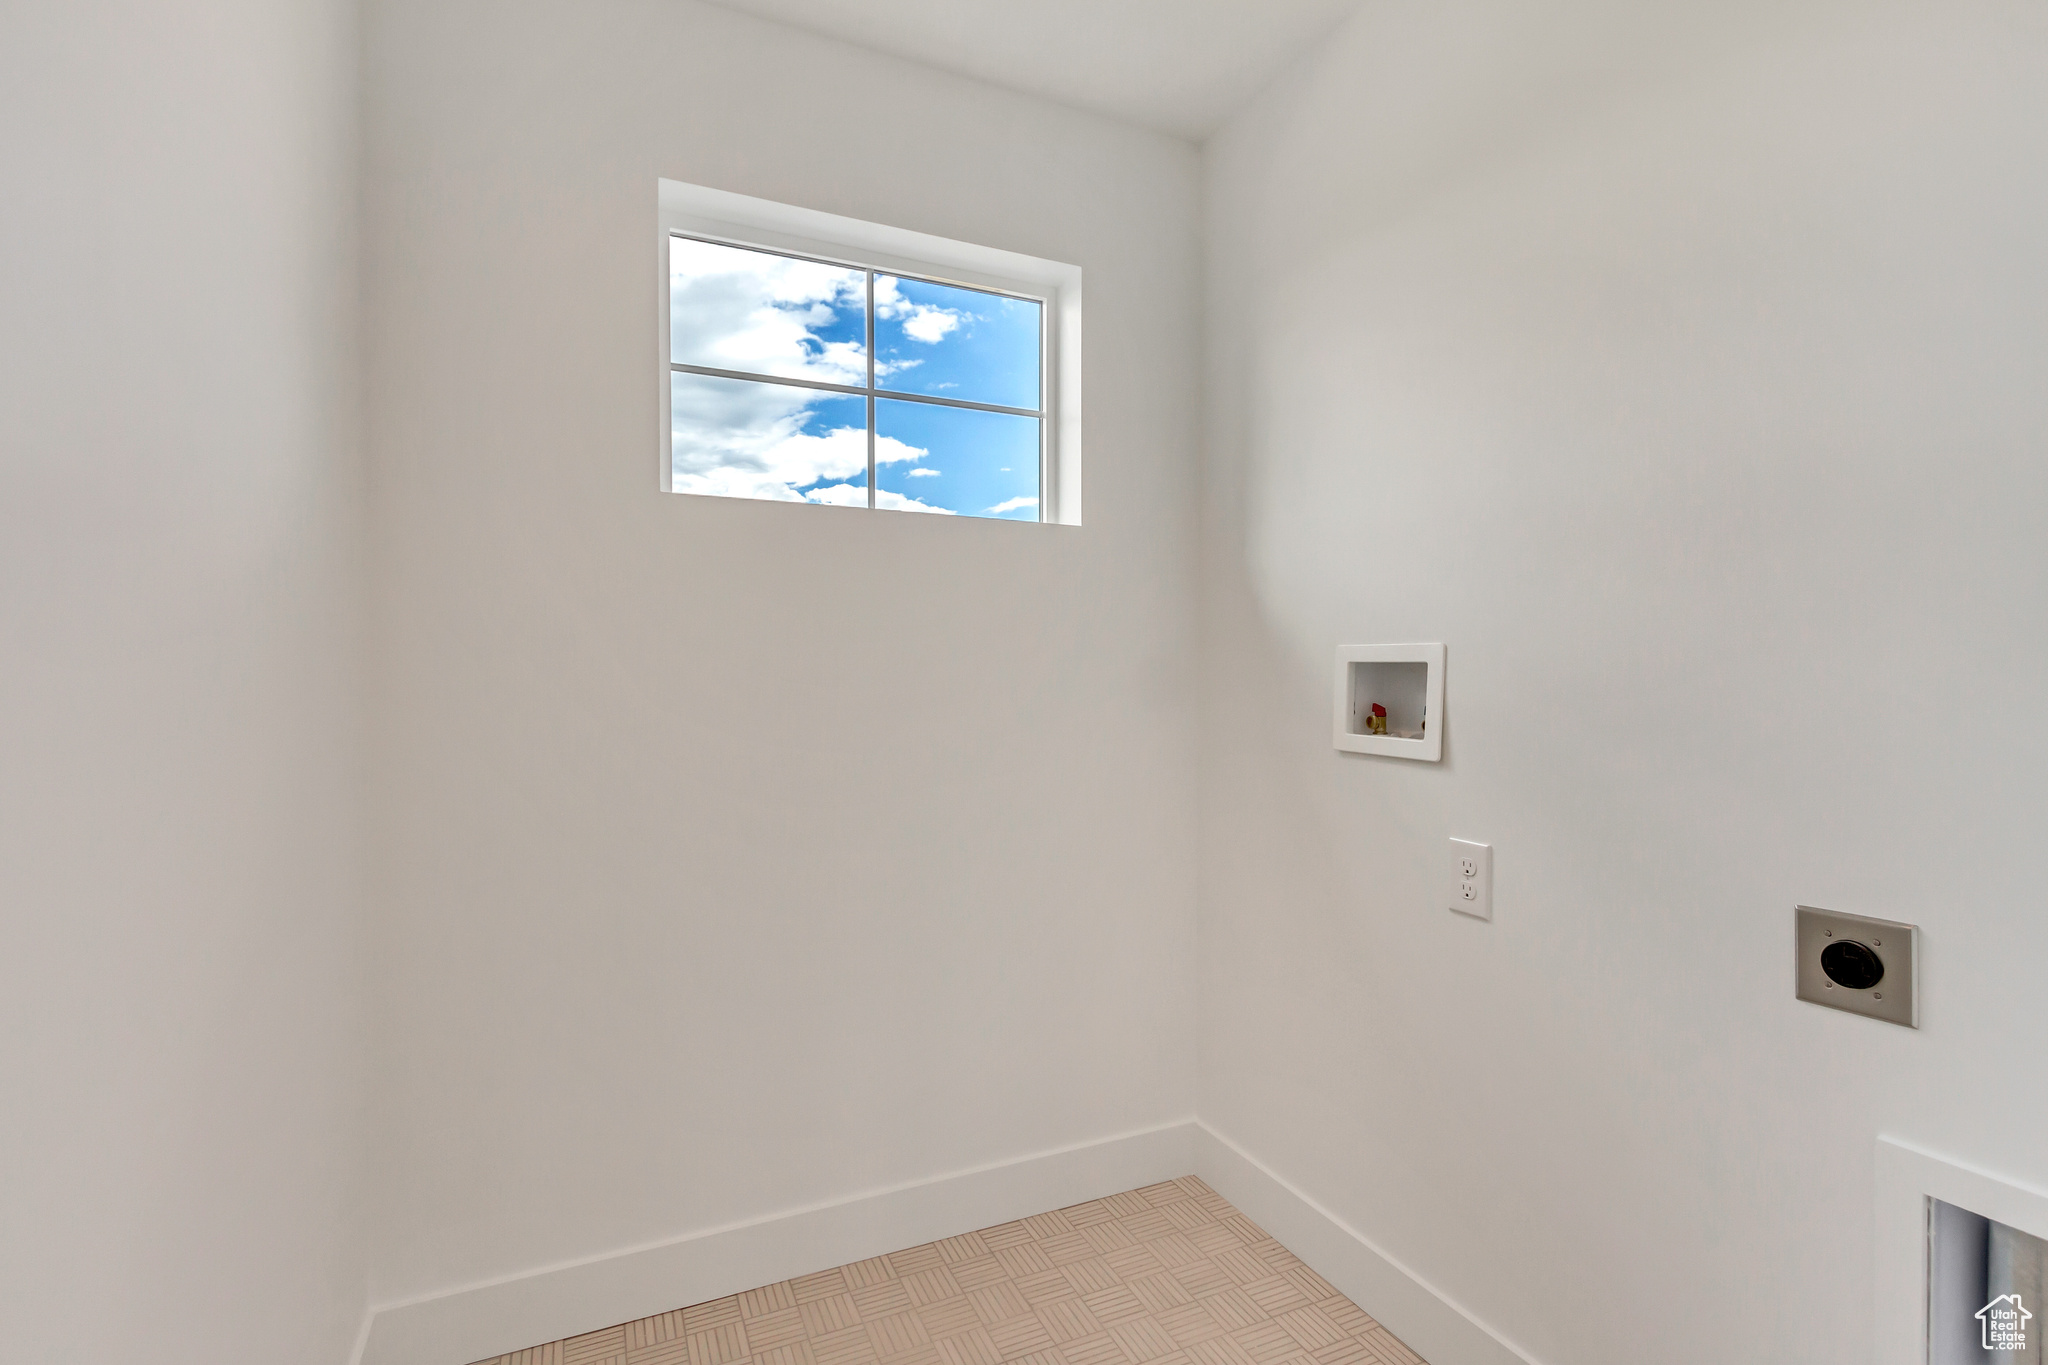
(1858, 964)
(1471, 888)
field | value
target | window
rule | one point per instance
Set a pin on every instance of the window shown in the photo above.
(801, 369)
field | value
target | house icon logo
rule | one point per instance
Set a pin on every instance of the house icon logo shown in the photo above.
(2005, 1321)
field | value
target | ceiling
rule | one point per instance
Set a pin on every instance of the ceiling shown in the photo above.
(1181, 66)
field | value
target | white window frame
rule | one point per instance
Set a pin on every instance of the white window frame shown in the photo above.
(741, 220)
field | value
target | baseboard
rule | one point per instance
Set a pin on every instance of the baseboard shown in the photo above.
(1430, 1322)
(492, 1319)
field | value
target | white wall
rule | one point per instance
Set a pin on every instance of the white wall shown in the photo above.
(180, 1114)
(1686, 376)
(734, 856)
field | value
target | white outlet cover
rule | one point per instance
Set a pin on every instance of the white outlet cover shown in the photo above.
(1470, 890)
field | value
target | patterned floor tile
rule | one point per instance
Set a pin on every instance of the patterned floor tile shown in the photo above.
(1169, 1274)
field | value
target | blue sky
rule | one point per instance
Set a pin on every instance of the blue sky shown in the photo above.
(759, 313)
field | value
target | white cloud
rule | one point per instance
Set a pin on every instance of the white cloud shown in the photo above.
(740, 439)
(922, 321)
(930, 325)
(852, 495)
(751, 311)
(839, 495)
(897, 502)
(733, 309)
(1011, 505)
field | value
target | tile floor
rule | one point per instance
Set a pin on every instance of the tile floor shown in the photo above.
(1167, 1275)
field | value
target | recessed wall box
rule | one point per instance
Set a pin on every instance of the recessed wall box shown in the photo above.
(1390, 700)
